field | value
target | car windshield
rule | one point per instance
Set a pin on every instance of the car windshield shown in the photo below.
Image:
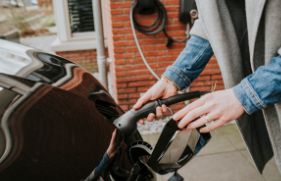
(11, 63)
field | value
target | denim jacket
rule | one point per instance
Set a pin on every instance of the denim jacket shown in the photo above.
(256, 91)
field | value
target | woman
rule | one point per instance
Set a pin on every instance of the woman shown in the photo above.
(245, 36)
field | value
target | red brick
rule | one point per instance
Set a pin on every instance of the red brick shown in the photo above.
(216, 77)
(121, 85)
(135, 95)
(128, 90)
(142, 89)
(141, 83)
(124, 107)
(122, 96)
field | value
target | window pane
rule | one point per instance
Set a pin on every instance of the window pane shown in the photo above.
(81, 16)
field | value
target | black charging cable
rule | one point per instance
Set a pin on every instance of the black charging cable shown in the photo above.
(147, 7)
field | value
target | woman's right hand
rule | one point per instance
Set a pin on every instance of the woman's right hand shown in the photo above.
(164, 88)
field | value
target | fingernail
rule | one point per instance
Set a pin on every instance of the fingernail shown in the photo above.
(180, 125)
(135, 106)
(175, 118)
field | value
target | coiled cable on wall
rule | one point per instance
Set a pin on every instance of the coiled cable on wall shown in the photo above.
(159, 25)
(138, 44)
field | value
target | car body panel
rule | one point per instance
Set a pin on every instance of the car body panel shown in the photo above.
(56, 118)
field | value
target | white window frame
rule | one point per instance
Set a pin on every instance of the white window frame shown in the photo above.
(66, 40)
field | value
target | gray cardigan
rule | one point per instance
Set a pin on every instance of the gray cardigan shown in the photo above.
(215, 24)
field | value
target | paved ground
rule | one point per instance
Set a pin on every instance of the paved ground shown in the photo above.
(225, 158)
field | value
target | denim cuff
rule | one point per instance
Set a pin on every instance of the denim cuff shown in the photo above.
(177, 76)
(248, 97)
(102, 165)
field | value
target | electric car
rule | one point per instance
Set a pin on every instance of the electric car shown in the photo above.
(56, 118)
(57, 122)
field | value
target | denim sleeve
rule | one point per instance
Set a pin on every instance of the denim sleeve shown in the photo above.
(261, 88)
(190, 63)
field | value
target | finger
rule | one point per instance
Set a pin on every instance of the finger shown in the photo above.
(112, 146)
(143, 99)
(190, 116)
(212, 126)
(141, 121)
(113, 136)
(164, 108)
(159, 113)
(202, 121)
(180, 114)
(197, 123)
(150, 117)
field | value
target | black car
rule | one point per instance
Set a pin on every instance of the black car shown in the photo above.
(56, 118)
(57, 122)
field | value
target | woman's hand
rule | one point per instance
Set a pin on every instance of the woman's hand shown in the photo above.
(112, 148)
(213, 110)
(162, 89)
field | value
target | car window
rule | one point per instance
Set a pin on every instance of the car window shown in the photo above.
(52, 70)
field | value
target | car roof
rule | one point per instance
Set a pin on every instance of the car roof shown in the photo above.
(15, 60)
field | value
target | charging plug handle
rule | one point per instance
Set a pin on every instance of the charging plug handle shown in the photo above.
(127, 123)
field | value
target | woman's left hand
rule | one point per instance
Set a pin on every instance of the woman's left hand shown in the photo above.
(213, 110)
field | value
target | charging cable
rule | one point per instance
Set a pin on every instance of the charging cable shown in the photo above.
(139, 47)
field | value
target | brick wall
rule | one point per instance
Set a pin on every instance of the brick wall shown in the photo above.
(85, 58)
(131, 78)
(211, 76)
(127, 73)
(44, 3)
